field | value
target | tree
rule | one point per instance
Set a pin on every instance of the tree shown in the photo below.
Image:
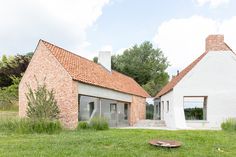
(9, 95)
(42, 103)
(145, 64)
(95, 59)
(13, 66)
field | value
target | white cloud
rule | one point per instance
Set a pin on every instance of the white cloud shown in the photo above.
(63, 22)
(212, 3)
(183, 40)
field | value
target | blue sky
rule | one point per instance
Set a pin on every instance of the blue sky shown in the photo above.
(85, 27)
(126, 22)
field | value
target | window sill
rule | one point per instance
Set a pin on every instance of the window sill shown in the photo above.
(197, 121)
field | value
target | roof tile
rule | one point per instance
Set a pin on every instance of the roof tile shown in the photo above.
(86, 71)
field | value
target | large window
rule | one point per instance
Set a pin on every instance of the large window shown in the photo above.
(195, 108)
(88, 107)
(113, 108)
(117, 113)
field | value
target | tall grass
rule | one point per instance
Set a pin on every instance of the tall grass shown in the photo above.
(27, 126)
(9, 106)
(96, 123)
(83, 125)
(229, 125)
(99, 123)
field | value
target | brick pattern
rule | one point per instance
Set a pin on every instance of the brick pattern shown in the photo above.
(44, 65)
(86, 71)
(216, 43)
(138, 110)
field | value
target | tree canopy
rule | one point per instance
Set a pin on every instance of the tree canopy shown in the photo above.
(145, 64)
(13, 66)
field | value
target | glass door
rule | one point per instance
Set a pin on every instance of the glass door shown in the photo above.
(113, 111)
(158, 111)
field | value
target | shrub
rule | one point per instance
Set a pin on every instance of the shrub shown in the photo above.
(229, 125)
(83, 125)
(25, 126)
(99, 123)
(9, 96)
(41, 103)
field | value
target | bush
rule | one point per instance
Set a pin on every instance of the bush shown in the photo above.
(25, 126)
(83, 125)
(99, 123)
(9, 96)
(42, 103)
(229, 125)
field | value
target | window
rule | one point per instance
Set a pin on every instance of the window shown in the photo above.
(113, 108)
(126, 107)
(195, 108)
(167, 106)
(87, 106)
(91, 108)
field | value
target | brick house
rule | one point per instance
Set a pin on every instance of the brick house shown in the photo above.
(203, 94)
(84, 89)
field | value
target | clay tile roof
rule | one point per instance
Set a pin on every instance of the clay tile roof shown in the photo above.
(167, 88)
(86, 71)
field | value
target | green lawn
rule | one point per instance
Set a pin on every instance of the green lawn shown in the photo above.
(118, 142)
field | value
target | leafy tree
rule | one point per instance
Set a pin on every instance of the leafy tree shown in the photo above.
(145, 64)
(42, 103)
(9, 95)
(12, 66)
(95, 59)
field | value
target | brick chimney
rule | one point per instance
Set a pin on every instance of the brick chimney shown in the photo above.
(216, 43)
(104, 58)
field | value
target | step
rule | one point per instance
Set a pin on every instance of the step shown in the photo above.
(150, 123)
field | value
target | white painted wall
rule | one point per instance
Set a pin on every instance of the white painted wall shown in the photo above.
(86, 89)
(214, 76)
(169, 117)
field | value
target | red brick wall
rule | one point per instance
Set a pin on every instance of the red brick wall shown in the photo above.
(44, 65)
(138, 109)
(216, 43)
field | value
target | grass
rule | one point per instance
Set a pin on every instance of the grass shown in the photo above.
(8, 114)
(229, 125)
(118, 142)
(11, 123)
(9, 107)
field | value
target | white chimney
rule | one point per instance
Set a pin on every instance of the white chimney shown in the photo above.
(104, 58)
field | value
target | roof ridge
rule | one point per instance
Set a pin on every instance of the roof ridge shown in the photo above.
(228, 47)
(79, 69)
(80, 56)
(169, 86)
(68, 51)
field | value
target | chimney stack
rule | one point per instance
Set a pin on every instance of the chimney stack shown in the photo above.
(216, 43)
(104, 58)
